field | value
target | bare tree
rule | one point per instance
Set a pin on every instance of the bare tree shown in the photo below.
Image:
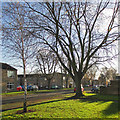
(74, 30)
(64, 71)
(17, 42)
(90, 75)
(106, 75)
(46, 64)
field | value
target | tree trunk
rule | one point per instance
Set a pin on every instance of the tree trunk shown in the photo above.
(49, 84)
(78, 87)
(66, 82)
(25, 94)
(25, 81)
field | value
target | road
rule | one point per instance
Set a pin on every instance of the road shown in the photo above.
(42, 95)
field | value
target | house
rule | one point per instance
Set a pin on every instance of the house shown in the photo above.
(59, 79)
(8, 77)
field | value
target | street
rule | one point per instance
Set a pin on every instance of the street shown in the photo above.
(13, 102)
(41, 95)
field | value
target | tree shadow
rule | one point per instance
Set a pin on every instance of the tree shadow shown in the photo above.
(34, 104)
(113, 108)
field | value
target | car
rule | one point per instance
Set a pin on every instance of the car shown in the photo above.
(81, 88)
(55, 87)
(34, 87)
(95, 89)
(86, 85)
(29, 87)
(19, 88)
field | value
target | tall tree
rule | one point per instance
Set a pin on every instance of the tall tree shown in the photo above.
(75, 30)
(17, 42)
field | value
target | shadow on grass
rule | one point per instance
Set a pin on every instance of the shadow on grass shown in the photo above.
(113, 108)
(69, 98)
(35, 104)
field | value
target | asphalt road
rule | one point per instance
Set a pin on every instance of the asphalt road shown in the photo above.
(41, 95)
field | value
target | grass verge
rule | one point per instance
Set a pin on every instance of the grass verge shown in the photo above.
(32, 92)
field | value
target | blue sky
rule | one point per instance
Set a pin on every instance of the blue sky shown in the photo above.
(20, 71)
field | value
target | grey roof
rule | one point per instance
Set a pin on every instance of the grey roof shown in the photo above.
(6, 66)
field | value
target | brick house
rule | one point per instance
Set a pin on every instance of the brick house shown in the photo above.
(59, 80)
(9, 77)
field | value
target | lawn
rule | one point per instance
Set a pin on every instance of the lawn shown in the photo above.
(101, 97)
(69, 108)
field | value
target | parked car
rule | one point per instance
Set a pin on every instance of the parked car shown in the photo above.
(29, 87)
(34, 87)
(55, 87)
(95, 89)
(81, 88)
(19, 88)
(86, 85)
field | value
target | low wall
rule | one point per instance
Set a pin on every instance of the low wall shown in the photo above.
(112, 89)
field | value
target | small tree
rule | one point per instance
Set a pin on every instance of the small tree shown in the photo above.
(90, 75)
(17, 42)
(106, 75)
(46, 64)
(64, 71)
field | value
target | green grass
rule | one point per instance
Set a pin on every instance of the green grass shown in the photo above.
(71, 108)
(101, 97)
(13, 93)
(32, 92)
(52, 90)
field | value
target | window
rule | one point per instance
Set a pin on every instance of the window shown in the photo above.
(10, 85)
(11, 74)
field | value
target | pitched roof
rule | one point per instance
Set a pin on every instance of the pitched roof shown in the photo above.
(6, 66)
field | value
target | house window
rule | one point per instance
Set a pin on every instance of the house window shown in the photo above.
(10, 85)
(11, 74)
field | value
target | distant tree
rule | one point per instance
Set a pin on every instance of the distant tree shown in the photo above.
(111, 74)
(102, 79)
(17, 42)
(74, 30)
(65, 72)
(46, 62)
(66, 78)
(90, 75)
(107, 74)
